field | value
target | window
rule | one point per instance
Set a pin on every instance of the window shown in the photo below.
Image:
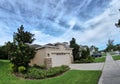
(48, 55)
(60, 53)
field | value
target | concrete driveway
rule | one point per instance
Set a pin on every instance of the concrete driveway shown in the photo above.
(87, 66)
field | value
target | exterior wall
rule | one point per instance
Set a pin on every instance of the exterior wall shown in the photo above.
(60, 59)
(48, 62)
(92, 51)
(39, 57)
(52, 57)
(60, 55)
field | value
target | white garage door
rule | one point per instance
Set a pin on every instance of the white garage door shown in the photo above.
(58, 60)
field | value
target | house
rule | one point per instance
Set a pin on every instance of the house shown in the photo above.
(92, 50)
(82, 47)
(52, 55)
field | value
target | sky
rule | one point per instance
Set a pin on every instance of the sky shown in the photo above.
(90, 22)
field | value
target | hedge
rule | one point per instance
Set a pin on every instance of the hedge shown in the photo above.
(37, 73)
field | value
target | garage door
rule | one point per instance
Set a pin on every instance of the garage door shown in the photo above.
(58, 60)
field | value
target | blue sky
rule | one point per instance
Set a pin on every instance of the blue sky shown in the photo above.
(91, 22)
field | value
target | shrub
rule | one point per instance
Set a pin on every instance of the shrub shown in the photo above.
(37, 73)
(21, 69)
(40, 67)
(64, 68)
(56, 70)
(53, 71)
(89, 59)
(13, 68)
(85, 53)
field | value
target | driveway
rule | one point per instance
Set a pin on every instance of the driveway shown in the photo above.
(87, 66)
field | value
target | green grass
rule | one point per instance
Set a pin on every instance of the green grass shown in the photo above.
(117, 57)
(104, 54)
(69, 77)
(111, 53)
(99, 59)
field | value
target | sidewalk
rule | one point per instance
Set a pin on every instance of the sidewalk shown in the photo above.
(111, 72)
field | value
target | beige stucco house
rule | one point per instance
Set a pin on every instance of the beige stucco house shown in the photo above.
(52, 55)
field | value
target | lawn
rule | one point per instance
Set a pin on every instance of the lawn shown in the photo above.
(99, 59)
(112, 53)
(117, 57)
(104, 54)
(69, 77)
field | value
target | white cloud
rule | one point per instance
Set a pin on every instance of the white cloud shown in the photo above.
(95, 31)
(103, 28)
(42, 38)
(5, 32)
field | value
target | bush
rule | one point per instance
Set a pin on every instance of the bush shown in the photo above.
(21, 69)
(36, 73)
(13, 68)
(91, 59)
(39, 67)
(57, 70)
(64, 68)
(53, 71)
(87, 60)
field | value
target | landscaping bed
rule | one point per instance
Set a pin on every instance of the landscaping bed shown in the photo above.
(38, 73)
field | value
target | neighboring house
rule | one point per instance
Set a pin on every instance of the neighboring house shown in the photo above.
(82, 47)
(80, 50)
(52, 55)
(92, 50)
(116, 52)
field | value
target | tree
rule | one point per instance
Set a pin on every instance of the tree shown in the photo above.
(118, 24)
(23, 36)
(85, 53)
(21, 53)
(6, 49)
(10, 48)
(75, 50)
(117, 48)
(94, 48)
(3, 54)
(110, 45)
